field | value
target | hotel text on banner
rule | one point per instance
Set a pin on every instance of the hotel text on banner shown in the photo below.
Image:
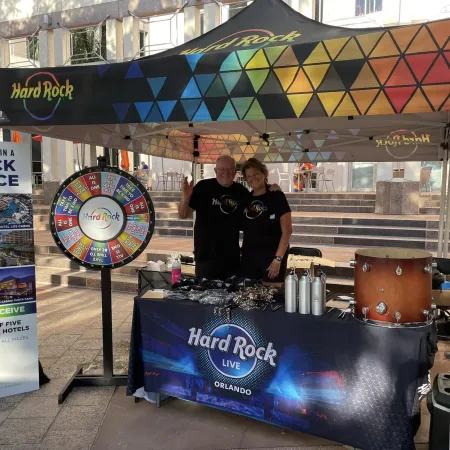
(19, 369)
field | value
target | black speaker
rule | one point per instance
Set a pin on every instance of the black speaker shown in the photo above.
(438, 403)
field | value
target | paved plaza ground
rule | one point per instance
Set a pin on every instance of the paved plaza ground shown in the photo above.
(104, 418)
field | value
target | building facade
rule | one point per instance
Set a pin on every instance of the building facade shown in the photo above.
(46, 33)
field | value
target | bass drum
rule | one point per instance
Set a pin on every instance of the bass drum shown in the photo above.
(393, 285)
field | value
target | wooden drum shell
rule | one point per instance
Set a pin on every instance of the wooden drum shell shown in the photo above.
(409, 293)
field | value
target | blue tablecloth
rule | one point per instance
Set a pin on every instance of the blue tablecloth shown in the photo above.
(339, 379)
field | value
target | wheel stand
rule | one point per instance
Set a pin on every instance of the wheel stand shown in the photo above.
(108, 378)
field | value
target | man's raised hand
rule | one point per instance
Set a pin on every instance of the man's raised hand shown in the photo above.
(187, 188)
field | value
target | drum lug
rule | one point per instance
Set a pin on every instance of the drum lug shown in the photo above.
(381, 308)
(398, 270)
(366, 267)
(365, 311)
(398, 316)
(434, 265)
(428, 268)
(352, 263)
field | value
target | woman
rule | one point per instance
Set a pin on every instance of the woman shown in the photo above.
(267, 226)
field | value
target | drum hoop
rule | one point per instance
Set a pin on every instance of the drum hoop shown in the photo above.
(379, 323)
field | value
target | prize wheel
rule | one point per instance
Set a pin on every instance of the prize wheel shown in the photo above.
(102, 217)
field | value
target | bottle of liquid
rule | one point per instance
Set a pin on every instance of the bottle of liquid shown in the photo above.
(318, 295)
(176, 271)
(304, 293)
(290, 292)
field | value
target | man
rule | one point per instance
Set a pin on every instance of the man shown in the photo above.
(217, 203)
(143, 165)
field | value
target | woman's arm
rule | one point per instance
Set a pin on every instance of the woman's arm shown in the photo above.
(286, 232)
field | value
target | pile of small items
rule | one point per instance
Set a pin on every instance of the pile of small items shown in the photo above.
(231, 293)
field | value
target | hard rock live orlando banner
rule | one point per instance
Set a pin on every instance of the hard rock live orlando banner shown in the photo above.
(19, 371)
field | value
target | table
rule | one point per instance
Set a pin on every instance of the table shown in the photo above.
(339, 379)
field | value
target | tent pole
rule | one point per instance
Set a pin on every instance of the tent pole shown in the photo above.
(195, 156)
(447, 198)
(443, 203)
(447, 217)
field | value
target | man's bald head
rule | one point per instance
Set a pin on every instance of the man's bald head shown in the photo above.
(225, 170)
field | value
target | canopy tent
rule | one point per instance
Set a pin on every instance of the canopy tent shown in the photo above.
(286, 89)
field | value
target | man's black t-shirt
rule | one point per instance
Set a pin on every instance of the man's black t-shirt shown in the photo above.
(262, 227)
(216, 233)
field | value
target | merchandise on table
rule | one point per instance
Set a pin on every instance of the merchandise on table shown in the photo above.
(290, 292)
(304, 293)
(234, 292)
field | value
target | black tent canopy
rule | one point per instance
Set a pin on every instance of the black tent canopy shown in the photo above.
(269, 83)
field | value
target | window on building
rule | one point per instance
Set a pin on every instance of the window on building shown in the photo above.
(24, 52)
(136, 162)
(36, 161)
(166, 31)
(6, 135)
(36, 155)
(235, 8)
(431, 176)
(115, 157)
(88, 45)
(202, 22)
(363, 7)
(143, 38)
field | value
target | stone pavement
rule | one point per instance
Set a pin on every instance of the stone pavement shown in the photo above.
(69, 326)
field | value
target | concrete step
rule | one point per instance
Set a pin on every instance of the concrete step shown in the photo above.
(430, 210)
(331, 195)
(57, 270)
(360, 230)
(331, 202)
(46, 250)
(41, 209)
(357, 241)
(176, 194)
(333, 209)
(38, 201)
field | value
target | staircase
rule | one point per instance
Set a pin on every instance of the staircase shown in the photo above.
(430, 204)
(311, 222)
(343, 221)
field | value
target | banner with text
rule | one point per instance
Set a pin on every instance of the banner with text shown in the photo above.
(334, 378)
(19, 368)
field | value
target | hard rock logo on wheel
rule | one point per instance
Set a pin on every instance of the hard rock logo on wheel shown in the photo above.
(102, 217)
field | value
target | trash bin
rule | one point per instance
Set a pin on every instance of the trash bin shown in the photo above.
(438, 403)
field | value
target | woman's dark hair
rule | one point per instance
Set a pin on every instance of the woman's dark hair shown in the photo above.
(254, 163)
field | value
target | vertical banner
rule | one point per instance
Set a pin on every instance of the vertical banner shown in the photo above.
(19, 370)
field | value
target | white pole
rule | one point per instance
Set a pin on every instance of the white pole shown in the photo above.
(447, 218)
(443, 203)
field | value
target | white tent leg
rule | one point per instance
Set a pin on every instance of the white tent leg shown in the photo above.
(443, 204)
(447, 219)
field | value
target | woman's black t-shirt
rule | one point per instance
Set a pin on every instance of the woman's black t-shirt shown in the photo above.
(261, 225)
